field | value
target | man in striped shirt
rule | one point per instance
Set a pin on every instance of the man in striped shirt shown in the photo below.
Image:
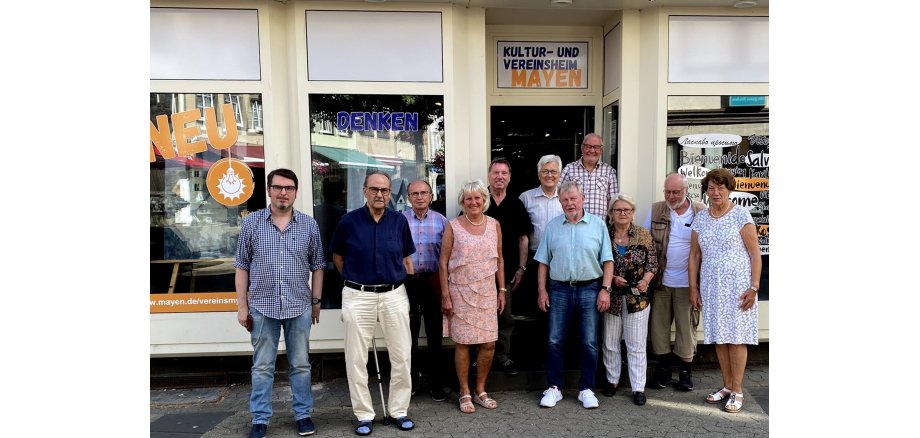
(427, 228)
(597, 179)
(279, 279)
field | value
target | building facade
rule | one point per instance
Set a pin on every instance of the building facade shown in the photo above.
(432, 90)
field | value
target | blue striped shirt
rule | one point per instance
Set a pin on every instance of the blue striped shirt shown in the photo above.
(426, 233)
(279, 262)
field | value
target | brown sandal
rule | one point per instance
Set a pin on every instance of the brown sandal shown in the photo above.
(467, 406)
(485, 401)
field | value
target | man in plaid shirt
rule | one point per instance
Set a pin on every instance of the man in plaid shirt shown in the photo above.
(597, 179)
(278, 254)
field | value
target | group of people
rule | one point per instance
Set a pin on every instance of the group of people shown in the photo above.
(574, 238)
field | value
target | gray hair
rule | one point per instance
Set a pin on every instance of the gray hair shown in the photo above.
(473, 186)
(546, 159)
(569, 185)
(593, 134)
(683, 179)
(621, 197)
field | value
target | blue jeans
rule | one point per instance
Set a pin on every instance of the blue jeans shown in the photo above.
(265, 334)
(564, 302)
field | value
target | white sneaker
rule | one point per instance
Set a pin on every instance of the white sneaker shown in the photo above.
(587, 399)
(551, 396)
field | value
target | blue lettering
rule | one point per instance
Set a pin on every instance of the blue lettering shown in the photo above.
(399, 121)
(341, 121)
(370, 121)
(357, 121)
(412, 121)
(385, 121)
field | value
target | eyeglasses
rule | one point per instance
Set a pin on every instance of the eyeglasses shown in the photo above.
(376, 190)
(549, 172)
(674, 192)
(282, 189)
(418, 194)
(592, 146)
(623, 210)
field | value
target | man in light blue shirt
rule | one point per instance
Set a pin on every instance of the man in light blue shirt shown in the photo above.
(575, 251)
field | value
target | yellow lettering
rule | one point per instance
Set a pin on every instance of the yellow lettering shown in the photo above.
(575, 78)
(548, 77)
(518, 77)
(183, 133)
(562, 79)
(210, 123)
(159, 138)
(534, 80)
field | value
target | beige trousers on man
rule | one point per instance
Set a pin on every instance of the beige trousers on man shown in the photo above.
(360, 313)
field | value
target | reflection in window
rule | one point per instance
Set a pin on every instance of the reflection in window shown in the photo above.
(255, 122)
(192, 236)
(400, 135)
(705, 123)
(234, 99)
(203, 101)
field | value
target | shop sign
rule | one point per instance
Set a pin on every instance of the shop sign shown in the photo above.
(193, 302)
(749, 163)
(740, 101)
(541, 64)
(230, 182)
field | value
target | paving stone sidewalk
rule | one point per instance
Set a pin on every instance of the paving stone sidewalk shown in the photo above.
(224, 412)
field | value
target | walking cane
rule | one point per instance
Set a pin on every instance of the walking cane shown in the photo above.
(386, 416)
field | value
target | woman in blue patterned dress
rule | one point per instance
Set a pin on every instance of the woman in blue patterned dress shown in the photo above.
(724, 277)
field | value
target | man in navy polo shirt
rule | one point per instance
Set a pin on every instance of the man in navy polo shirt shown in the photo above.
(372, 248)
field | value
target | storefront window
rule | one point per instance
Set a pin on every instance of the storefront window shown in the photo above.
(730, 132)
(356, 134)
(197, 200)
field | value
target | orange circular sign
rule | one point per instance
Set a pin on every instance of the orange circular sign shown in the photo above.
(230, 182)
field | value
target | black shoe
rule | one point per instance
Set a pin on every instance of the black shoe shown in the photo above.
(305, 427)
(685, 381)
(639, 398)
(509, 368)
(437, 394)
(662, 378)
(258, 431)
(609, 389)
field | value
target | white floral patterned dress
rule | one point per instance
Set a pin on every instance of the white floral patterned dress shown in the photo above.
(725, 274)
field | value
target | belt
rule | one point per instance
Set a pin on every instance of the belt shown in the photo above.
(371, 288)
(576, 283)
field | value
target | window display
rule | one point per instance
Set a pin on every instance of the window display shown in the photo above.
(198, 200)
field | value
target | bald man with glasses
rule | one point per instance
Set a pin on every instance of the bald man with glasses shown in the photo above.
(597, 179)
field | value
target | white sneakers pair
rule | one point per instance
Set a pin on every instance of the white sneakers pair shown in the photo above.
(553, 395)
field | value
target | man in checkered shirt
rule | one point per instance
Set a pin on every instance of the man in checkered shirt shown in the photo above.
(278, 254)
(597, 179)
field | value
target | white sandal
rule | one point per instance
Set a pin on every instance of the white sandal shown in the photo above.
(734, 403)
(718, 396)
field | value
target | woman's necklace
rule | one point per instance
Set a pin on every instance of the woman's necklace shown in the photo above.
(621, 239)
(714, 216)
(474, 223)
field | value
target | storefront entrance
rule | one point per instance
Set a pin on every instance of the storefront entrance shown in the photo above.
(523, 134)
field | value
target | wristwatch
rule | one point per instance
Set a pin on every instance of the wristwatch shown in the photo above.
(606, 288)
(317, 300)
(523, 268)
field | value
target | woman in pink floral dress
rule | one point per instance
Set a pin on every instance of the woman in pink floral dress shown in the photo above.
(471, 266)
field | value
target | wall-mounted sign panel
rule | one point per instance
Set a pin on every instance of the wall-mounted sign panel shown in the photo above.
(542, 64)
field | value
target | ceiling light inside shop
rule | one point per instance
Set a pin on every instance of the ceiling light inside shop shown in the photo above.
(745, 4)
(560, 3)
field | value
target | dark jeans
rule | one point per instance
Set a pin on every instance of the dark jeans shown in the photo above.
(573, 306)
(426, 302)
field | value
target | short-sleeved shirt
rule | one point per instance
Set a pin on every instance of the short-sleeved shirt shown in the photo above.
(373, 251)
(514, 221)
(541, 209)
(600, 185)
(279, 262)
(426, 233)
(575, 252)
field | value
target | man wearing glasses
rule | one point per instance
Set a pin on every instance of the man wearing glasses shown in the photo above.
(372, 247)
(669, 223)
(595, 177)
(279, 277)
(427, 227)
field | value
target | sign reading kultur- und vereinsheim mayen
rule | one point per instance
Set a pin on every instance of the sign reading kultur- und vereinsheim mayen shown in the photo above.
(541, 64)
